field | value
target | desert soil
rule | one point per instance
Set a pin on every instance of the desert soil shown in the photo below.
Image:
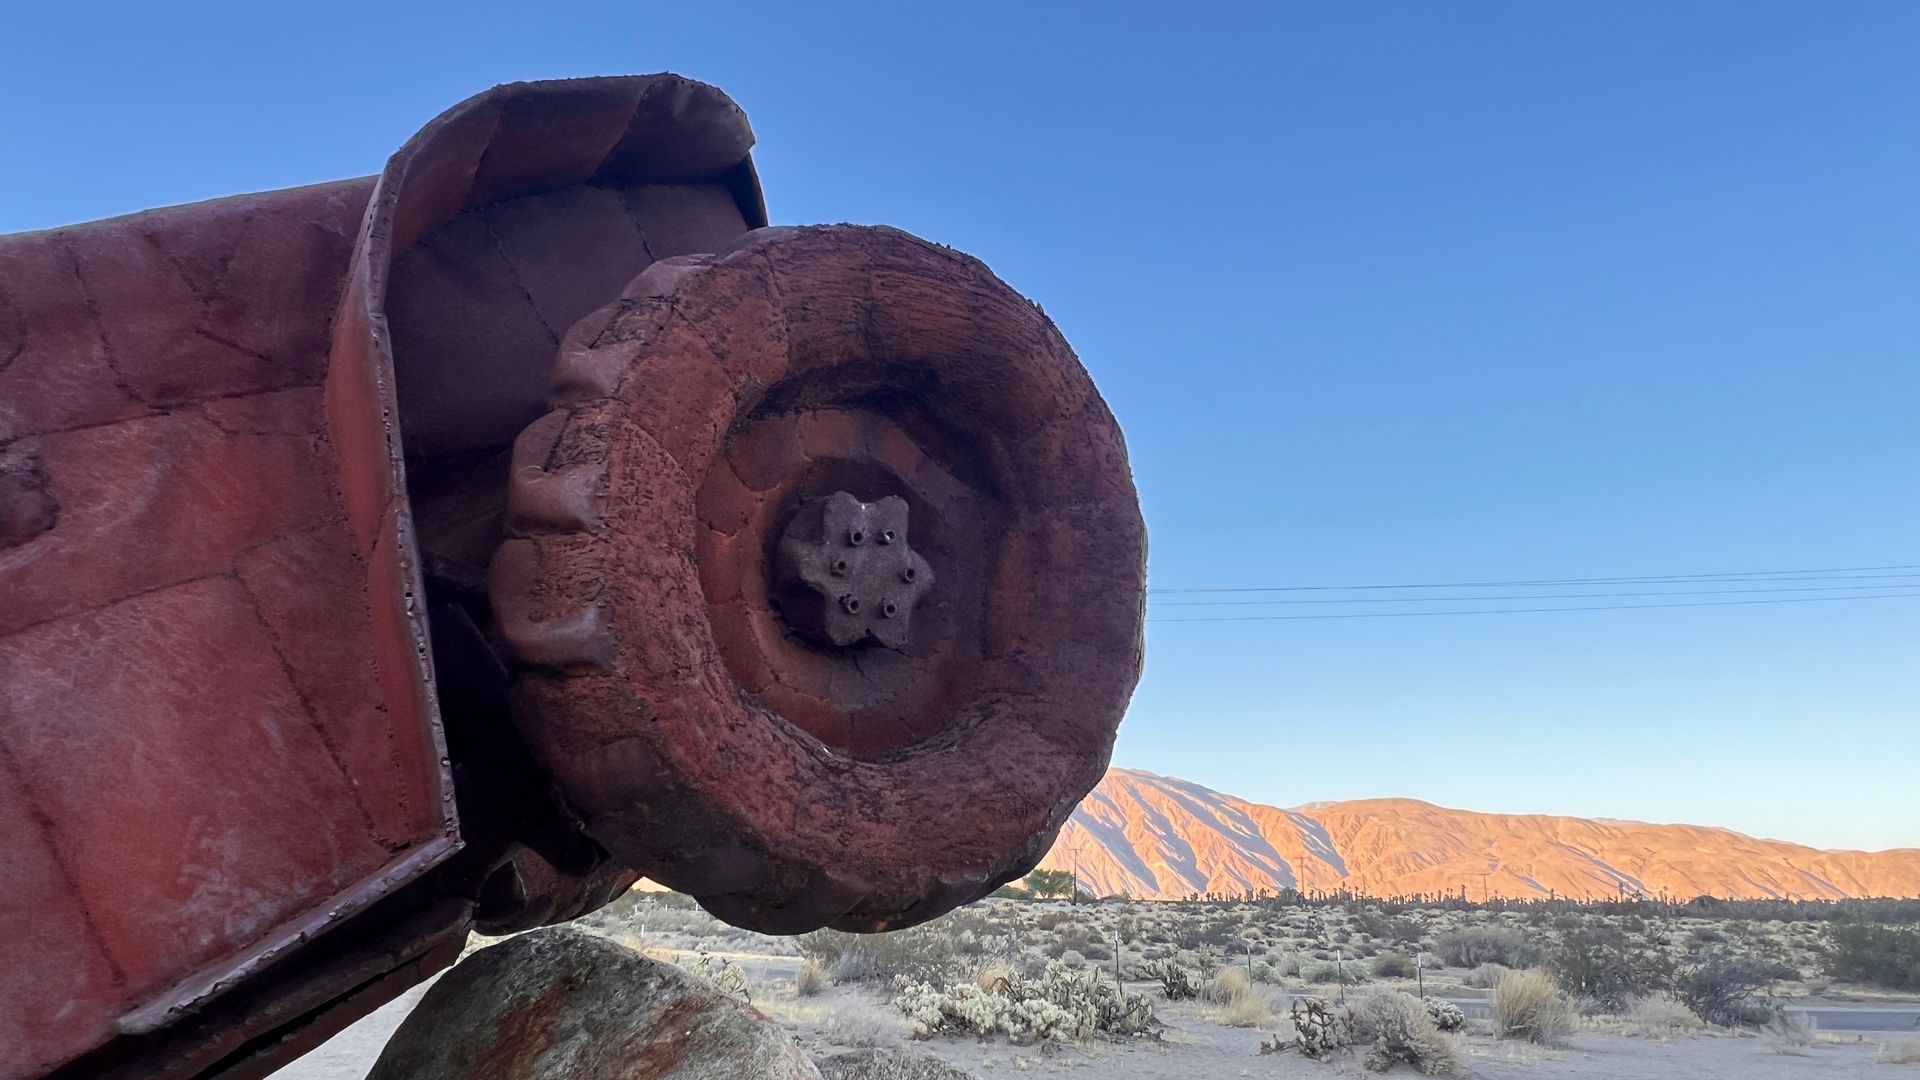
(1192, 1047)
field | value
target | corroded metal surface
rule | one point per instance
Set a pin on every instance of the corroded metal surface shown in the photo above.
(846, 573)
(222, 749)
(814, 388)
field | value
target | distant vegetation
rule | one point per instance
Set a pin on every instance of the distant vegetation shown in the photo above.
(1358, 980)
(1880, 955)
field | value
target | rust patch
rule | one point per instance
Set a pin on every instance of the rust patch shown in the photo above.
(664, 1043)
(524, 1034)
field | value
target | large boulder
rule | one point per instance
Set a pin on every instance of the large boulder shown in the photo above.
(565, 1005)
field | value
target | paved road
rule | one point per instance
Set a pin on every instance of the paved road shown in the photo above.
(1829, 1017)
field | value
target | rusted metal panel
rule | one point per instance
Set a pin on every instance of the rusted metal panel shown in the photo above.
(187, 713)
(219, 729)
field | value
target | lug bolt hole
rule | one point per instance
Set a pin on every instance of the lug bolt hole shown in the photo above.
(888, 609)
(839, 568)
(910, 574)
(856, 537)
(851, 604)
(887, 536)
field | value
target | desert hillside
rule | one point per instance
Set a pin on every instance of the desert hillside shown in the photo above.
(1155, 837)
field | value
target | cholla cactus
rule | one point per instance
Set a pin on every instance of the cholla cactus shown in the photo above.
(1319, 1030)
(1446, 1015)
(1175, 981)
(724, 974)
(1060, 1005)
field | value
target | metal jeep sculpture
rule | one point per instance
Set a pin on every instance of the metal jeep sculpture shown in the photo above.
(442, 550)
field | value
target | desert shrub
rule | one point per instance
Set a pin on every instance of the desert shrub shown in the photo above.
(1604, 966)
(1529, 1005)
(922, 954)
(1396, 1027)
(1096, 952)
(1485, 976)
(1287, 965)
(1886, 956)
(1346, 973)
(1729, 990)
(1375, 924)
(1475, 945)
(1061, 1004)
(809, 980)
(1659, 1016)
(1446, 1015)
(1393, 965)
(1790, 1032)
(1050, 884)
(1176, 982)
(1052, 920)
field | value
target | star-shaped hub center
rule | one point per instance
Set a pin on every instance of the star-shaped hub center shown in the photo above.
(845, 573)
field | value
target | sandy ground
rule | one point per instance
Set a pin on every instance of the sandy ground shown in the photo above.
(1193, 1047)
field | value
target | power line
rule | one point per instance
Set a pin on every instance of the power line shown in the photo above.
(1854, 573)
(1515, 611)
(1535, 596)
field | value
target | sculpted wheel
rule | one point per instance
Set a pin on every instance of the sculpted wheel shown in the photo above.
(826, 579)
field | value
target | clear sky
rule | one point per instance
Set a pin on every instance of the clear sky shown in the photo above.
(1399, 293)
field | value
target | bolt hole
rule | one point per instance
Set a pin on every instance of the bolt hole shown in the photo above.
(888, 609)
(909, 574)
(839, 567)
(851, 604)
(887, 536)
(856, 537)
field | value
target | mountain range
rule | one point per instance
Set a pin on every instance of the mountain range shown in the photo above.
(1156, 837)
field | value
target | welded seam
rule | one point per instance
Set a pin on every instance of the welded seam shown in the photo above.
(44, 822)
(312, 714)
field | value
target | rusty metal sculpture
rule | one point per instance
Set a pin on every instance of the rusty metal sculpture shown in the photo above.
(398, 556)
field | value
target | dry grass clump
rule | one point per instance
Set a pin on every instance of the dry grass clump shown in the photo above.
(1393, 965)
(1396, 1026)
(1900, 1052)
(1237, 1001)
(857, 1024)
(1792, 1033)
(1659, 1016)
(809, 980)
(1485, 976)
(1227, 984)
(1529, 1005)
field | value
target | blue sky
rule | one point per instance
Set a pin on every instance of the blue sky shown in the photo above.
(1381, 293)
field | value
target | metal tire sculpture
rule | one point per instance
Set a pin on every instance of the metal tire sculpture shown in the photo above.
(828, 533)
